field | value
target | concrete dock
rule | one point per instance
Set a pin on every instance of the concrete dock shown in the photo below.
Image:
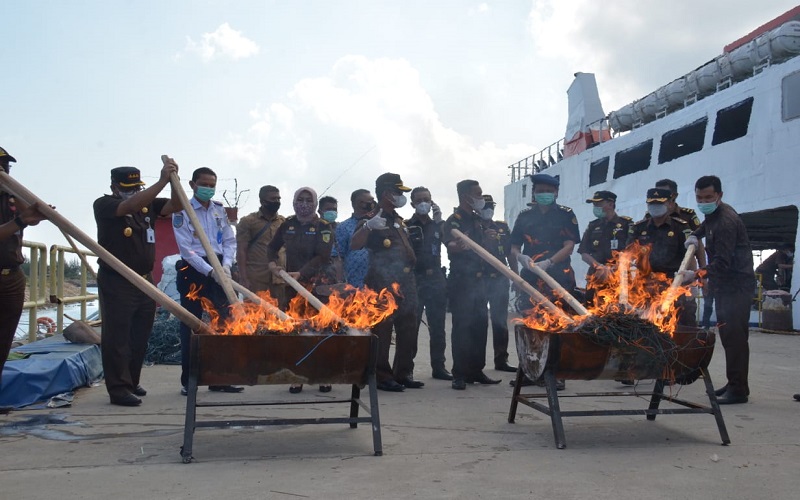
(437, 443)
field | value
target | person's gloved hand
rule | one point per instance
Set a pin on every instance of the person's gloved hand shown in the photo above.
(524, 261)
(687, 276)
(545, 264)
(437, 212)
(376, 223)
(691, 240)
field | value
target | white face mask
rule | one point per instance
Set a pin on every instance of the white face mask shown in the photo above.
(399, 200)
(487, 213)
(423, 208)
(125, 195)
(478, 204)
(657, 209)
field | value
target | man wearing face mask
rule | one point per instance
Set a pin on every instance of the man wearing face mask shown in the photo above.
(194, 271)
(606, 234)
(685, 214)
(125, 227)
(354, 262)
(779, 265)
(731, 280)
(392, 260)
(497, 241)
(15, 216)
(466, 289)
(661, 238)
(425, 233)
(253, 234)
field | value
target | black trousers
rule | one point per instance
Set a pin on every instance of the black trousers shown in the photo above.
(497, 288)
(432, 299)
(467, 296)
(12, 296)
(187, 279)
(404, 322)
(733, 320)
(128, 316)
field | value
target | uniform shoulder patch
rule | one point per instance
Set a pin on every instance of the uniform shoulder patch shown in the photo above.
(687, 211)
(625, 217)
(177, 220)
(323, 222)
(679, 221)
(566, 209)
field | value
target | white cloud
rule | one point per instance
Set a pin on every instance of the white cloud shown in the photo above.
(225, 42)
(376, 105)
(480, 9)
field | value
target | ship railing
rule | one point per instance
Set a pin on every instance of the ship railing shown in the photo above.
(37, 285)
(57, 258)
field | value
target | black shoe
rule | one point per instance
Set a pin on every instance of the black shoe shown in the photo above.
(325, 388)
(139, 391)
(459, 384)
(505, 367)
(722, 390)
(796, 397)
(481, 378)
(442, 374)
(391, 386)
(523, 383)
(561, 384)
(126, 400)
(732, 399)
(184, 391)
(410, 383)
(625, 381)
(295, 389)
(225, 388)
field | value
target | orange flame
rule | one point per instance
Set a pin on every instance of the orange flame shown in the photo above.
(624, 289)
(359, 308)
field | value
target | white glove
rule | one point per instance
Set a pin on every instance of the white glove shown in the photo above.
(545, 264)
(437, 213)
(215, 276)
(227, 271)
(687, 276)
(524, 261)
(376, 223)
(691, 240)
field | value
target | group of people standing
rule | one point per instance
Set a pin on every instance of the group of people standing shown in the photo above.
(378, 248)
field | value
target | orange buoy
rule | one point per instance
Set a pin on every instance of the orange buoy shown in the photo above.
(46, 325)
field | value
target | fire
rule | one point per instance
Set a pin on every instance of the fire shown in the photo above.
(626, 289)
(358, 308)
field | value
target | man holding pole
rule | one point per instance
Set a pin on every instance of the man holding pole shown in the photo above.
(195, 273)
(15, 216)
(125, 227)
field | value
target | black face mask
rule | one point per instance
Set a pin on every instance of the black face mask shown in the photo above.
(271, 206)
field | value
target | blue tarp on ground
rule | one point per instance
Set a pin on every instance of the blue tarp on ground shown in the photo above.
(53, 366)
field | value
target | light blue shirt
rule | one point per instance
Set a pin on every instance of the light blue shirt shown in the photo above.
(356, 262)
(215, 224)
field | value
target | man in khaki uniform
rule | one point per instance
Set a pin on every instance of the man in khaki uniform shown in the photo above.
(254, 232)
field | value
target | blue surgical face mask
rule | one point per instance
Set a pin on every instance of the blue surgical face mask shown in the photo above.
(204, 193)
(544, 198)
(399, 200)
(598, 212)
(478, 204)
(330, 215)
(707, 208)
(656, 209)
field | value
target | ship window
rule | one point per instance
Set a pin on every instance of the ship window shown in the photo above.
(791, 96)
(524, 191)
(598, 171)
(683, 141)
(732, 122)
(633, 159)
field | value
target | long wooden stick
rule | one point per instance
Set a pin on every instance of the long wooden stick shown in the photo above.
(624, 272)
(255, 298)
(318, 305)
(511, 275)
(80, 254)
(18, 190)
(223, 279)
(678, 279)
(555, 285)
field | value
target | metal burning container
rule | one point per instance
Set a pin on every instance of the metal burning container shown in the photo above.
(575, 356)
(281, 360)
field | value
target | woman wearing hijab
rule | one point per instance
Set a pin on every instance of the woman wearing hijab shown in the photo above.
(308, 240)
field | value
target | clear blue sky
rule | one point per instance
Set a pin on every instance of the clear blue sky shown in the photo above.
(293, 93)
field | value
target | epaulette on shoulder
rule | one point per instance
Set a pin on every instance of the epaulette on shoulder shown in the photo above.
(292, 217)
(217, 202)
(566, 209)
(324, 222)
(678, 219)
(457, 216)
(625, 217)
(524, 210)
(687, 211)
(643, 221)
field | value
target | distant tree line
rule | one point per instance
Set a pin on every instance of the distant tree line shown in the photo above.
(72, 268)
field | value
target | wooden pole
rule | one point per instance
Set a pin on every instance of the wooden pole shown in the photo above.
(555, 285)
(678, 279)
(255, 298)
(511, 275)
(309, 297)
(223, 279)
(18, 190)
(624, 270)
(80, 254)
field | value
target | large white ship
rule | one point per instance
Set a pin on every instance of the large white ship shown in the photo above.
(736, 117)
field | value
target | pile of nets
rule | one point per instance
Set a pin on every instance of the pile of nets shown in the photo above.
(164, 347)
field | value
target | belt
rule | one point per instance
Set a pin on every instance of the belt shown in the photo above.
(8, 270)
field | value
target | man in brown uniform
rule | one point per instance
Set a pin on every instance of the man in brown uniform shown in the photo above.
(125, 227)
(392, 260)
(731, 280)
(15, 216)
(606, 234)
(253, 234)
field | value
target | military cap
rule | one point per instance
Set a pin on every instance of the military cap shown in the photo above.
(489, 200)
(602, 196)
(5, 156)
(392, 181)
(126, 177)
(658, 195)
(544, 179)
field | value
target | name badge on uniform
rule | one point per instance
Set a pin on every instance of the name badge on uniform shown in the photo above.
(150, 234)
(614, 244)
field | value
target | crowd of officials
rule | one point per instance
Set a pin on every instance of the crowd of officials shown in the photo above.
(376, 247)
